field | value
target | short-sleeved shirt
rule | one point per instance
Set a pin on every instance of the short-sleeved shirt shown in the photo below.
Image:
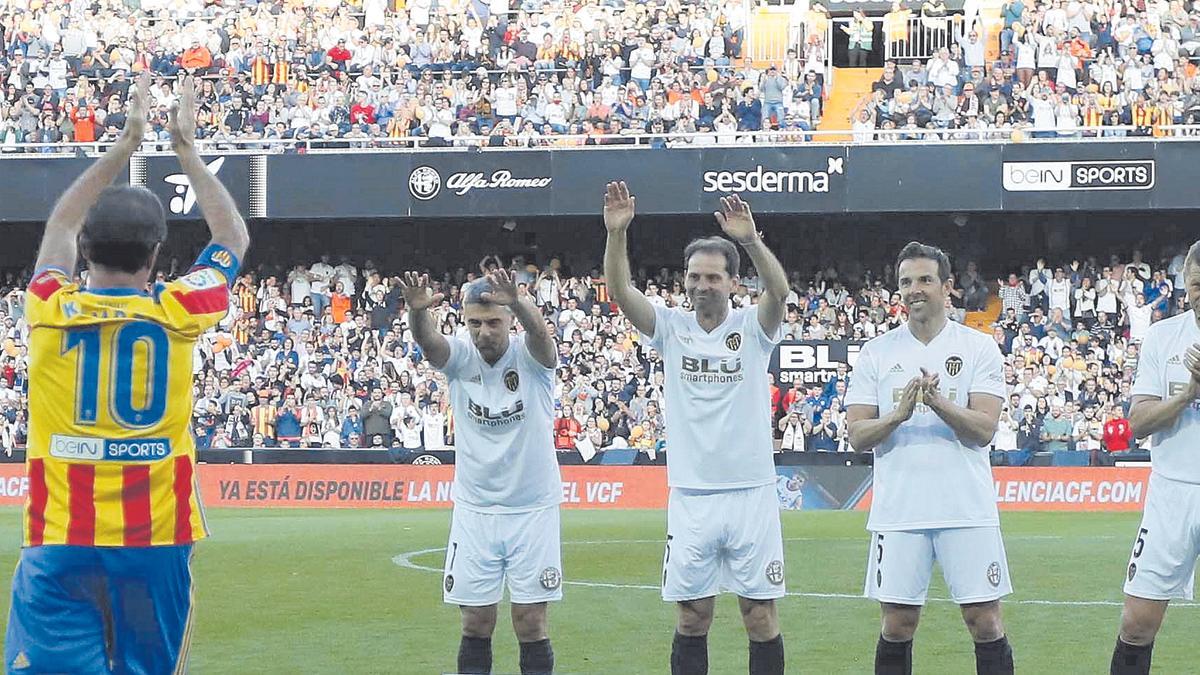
(718, 399)
(503, 427)
(925, 477)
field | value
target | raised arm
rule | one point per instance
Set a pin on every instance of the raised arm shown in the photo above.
(737, 221)
(216, 204)
(537, 337)
(618, 213)
(59, 247)
(419, 297)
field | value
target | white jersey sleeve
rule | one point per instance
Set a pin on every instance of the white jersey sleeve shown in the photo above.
(1149, 380)
(1161, 374)
(988, 374)
(864, 380)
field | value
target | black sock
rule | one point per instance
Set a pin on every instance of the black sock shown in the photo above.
(994, 658)
(689, 655)
(766, 658)
(475, 656)
(893, 658)
(537, 658)
(1131, 659)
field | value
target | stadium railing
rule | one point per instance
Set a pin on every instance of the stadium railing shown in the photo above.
(637, 140)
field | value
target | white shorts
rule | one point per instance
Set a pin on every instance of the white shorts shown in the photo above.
(485, 549)
(727, 540)
(1162, 565)
(900, 565)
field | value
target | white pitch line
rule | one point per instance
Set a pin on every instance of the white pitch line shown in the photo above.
(405, 560)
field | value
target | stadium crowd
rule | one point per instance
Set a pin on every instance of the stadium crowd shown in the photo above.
(322, 356)
(1066, 68)
(510, 72)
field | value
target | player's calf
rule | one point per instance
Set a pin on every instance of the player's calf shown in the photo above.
(993, 654)
(893, 651)
(531, 624)
(475, 648)
(1140, 621)
(689, 649)
(766, 643)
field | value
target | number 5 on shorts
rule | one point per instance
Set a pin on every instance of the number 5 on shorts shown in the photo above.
(879, 561)
(1140, 543)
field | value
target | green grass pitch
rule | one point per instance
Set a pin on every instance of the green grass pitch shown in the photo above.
(290, 591)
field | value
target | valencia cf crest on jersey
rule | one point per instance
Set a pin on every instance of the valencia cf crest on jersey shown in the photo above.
(954, 365)
(511, 380)
(733, 341)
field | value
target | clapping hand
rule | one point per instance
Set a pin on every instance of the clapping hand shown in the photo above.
(1191, 361)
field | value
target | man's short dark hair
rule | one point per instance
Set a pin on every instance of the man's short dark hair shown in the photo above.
(123, 228)
(717, 245)
(915, 250)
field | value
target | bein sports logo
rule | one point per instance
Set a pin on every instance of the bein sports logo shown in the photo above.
(185, 195)
(425, 182)
(1063, 176)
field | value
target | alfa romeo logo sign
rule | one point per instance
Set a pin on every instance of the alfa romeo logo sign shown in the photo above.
(424, 183)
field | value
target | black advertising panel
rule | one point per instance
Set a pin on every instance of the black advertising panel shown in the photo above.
(812, 362)
(1093, 175)
(474, 183)
(773, 179)
(1175, 173)
(1073, 176)
(363, 185)
(243, 175)
(923, 178)
(664, 181)
(32, 184)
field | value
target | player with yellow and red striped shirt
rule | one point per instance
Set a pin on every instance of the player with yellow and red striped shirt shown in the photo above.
(104, 583)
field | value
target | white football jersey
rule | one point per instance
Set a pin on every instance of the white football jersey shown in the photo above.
(925, 477)
(718, 401)
(503, 423)
(1161, 373)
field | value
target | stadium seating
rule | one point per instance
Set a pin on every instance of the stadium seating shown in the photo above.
(297, 359)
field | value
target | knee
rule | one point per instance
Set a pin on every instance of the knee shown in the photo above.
(761, 619)
(479, 622)
(695, 617)
(900, 623)
(529, 622)
(983, 621)
(1137, 629)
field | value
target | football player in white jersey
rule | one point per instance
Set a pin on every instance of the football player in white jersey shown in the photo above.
(1165, 404)
(507, 486)
(926, 397)
(723, 530)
